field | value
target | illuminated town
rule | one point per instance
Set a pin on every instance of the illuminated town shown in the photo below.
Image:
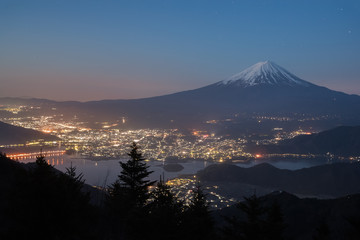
(183, 187)
(110, 141)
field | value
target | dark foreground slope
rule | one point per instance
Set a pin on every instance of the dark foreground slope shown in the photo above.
(42, 203)
(38, 203)
(307, 218)
(332, 180)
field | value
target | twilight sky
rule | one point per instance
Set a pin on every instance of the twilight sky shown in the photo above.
(90, 50)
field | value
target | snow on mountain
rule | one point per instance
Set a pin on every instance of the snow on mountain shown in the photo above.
(264, 73)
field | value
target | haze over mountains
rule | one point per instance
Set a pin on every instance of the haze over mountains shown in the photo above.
(264, 88)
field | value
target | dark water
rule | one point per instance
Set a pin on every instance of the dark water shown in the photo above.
(103, 173)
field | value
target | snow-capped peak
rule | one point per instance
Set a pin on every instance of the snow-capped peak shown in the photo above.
(264, 73)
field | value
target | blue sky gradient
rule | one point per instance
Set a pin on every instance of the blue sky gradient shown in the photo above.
(90, 50)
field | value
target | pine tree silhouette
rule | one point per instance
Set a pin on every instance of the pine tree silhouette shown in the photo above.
(198, 222)
(252, 228)
(131, 187)
(128, 195)
(133, 177)
(261, 222)
(165, 213)
(51, 203)
(274, 225)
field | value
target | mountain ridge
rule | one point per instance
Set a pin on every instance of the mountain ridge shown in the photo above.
(192, 108)
(330, 180)
(342, 141)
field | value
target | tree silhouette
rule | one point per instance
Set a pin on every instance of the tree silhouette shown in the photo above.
(46, 204)
(132, 182)
(198, 222)
(162, 196)
(165, 213)
(275, 226)
(322, 232)
(128, 195)
(71, 172)
(40, 161)
(252, 228)
(74, 181)
(261, 222)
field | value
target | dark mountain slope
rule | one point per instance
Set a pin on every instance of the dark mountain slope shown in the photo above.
(326, 180)
(33, 193)
(303, 217)
(10, 134)
(341, 141)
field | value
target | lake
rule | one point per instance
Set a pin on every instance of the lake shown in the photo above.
(105, 172)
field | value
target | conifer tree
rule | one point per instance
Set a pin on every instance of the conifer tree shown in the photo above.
(254, 227)
(165, 213)
(74, 181)
(133, 177)
(40, 160)
(261, 222)
(44, 173)
(128, 195)
(162, 196)
(198, 222)
(274, 222)
(132, 183)
(51, 203)
(71, 172)
(199, 205)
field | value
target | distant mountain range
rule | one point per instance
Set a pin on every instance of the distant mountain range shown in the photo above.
(264, 88)
(332, 180)
(10, 134)
(341, 141)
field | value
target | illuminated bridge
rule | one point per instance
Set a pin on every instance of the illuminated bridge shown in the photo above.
(20, 156)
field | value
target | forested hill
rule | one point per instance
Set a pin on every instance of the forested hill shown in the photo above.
(10, 134)
(341, 141)
(332, 180)
(39, 202)
(307, 218)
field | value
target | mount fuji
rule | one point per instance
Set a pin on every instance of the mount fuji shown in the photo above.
(264, 88)
(264, 73)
